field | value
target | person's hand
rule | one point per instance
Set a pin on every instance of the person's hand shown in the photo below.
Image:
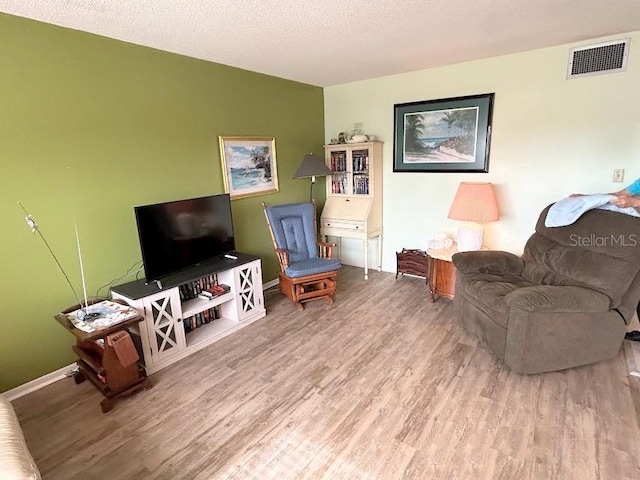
(626, 201)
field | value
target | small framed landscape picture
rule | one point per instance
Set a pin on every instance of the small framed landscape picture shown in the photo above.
(447, 135)
(249, 166)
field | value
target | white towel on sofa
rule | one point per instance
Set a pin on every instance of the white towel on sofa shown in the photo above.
(568, 210)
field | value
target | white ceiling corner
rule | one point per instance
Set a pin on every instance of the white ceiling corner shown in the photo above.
(329, 42)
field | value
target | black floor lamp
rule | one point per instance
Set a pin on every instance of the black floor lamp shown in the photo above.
(312, 166)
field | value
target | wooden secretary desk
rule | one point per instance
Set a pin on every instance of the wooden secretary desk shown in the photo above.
(354, 195)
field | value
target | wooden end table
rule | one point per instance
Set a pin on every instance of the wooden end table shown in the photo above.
(442, 273)
(98, 362)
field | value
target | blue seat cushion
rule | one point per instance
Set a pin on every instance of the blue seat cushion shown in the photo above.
(311, 266)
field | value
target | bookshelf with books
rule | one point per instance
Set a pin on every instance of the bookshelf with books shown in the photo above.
(354, 195)
(199, 307)
(205, 292)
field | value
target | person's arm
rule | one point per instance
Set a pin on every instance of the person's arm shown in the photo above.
(632, 190)
(626, 201)
(628, 197)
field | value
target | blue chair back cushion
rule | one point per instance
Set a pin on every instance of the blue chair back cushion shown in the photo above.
(295, 239)
(294, 230)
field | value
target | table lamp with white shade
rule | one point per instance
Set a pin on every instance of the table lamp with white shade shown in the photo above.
(474, 204)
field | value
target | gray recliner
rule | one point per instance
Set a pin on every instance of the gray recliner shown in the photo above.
(564, 303)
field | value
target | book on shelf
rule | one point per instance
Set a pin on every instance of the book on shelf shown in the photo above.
(217, 290)
(214, 292)
(207, 316)
(196, 288)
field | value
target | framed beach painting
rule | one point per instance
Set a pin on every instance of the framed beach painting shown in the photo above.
(249, 166)
(447, 135)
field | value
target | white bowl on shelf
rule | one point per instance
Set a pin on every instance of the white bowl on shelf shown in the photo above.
(358, 139)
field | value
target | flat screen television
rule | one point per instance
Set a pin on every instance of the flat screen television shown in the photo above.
(181, 234)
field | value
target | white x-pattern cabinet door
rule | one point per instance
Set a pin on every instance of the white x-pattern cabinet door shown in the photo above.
(164, 326)
(249, 289)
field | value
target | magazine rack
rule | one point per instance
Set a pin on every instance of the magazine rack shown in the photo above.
(99, 362)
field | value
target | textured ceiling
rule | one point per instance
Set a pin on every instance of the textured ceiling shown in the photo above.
(329, 42)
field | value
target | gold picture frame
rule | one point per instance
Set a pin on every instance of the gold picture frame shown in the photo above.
(249, 166)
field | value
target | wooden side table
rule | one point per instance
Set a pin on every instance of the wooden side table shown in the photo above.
(442, 273)
(412, 262)
(98, 362)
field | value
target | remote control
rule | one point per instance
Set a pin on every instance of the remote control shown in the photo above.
(230, 257)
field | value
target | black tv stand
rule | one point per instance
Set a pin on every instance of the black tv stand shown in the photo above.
(143, 287)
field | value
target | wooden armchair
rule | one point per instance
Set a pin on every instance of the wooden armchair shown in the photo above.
(307, 270)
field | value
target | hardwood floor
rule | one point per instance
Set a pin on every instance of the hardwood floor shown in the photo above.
(382, 385)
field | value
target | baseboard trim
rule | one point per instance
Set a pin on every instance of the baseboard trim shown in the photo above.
(64, 372)
(39, 382)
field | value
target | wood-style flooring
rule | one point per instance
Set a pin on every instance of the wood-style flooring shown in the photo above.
(383, 384)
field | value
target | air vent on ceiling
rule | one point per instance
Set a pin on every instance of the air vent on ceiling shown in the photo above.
(598, 59)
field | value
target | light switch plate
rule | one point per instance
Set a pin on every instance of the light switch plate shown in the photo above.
(618, 174)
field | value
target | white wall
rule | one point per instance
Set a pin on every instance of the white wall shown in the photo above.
(551, 137)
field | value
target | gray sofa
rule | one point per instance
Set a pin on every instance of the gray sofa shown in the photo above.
(16, 463)
(564, 303)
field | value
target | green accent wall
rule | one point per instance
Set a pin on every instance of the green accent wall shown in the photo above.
(91, 127)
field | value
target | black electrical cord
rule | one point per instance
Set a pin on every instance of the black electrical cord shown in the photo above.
(129, 272)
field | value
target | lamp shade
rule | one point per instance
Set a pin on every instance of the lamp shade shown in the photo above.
(474, 202)
(312, 166)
